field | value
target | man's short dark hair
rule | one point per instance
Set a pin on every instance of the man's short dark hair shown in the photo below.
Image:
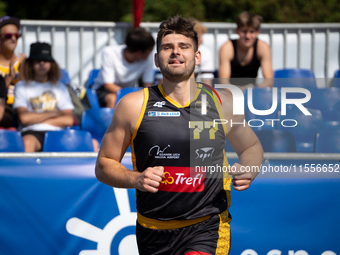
(139, 39)
(177, 25)
(248, 19)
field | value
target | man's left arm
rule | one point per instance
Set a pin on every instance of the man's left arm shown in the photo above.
(264, 55)
(245, 143)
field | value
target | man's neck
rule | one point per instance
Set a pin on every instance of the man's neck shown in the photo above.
(6, 56)
(41, 79)
(243, 48)
(128, 56)
(181, 92)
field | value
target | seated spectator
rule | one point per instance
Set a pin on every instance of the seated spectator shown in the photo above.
(123, 65)
(243, 57)
(42, 103)
(3, 96)
(9, 62)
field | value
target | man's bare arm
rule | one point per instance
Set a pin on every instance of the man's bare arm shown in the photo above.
(111, 87)
(245, 143)
(2, 108)
(30, 118)
(63, 119)
(115, 142)
(264, 54)
(226, 54)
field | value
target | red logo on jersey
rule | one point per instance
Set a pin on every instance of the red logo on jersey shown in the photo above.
(182, 179)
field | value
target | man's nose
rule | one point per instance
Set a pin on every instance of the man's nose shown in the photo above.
(175, 50)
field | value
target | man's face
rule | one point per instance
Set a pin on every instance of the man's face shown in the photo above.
(41, 67)
(247, 35)
(177, 57)
(8, 37)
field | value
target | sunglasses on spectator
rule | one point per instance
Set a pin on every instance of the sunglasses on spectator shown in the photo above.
(9, 35)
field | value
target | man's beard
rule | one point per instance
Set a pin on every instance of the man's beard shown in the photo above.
(175, 75)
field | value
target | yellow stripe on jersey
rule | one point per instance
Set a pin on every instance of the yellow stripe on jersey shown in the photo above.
(219, 110)
(223, 242)
(141, 115)
(160, 87)
(170, 224)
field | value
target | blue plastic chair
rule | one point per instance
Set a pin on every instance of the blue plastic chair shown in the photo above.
(96, 121)
(11, 141)
(306, 129)
(122, 92)
(262, 100)
(276, 141)
(328, 141)
(327, 100)
(337, 79)
(93, 99)
(65, 78)
(68, 140)
(294, 77)
(92, 76)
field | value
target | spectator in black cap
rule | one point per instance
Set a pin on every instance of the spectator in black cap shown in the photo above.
(9, 62)
(41, 101)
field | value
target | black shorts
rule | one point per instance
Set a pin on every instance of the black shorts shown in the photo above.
(40, 135)
(101, 94)
(208, 237)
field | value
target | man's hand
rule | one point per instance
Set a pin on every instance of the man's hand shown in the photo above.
(150, 179)
(241, 178)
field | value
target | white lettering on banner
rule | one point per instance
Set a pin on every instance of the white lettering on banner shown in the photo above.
(291, 122)
(238, 100)
(274, 252)
(300, 252)
(290, 252)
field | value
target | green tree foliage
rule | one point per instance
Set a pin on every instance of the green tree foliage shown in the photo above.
(2, 8)
(96, 10)
(156, 10)
(272, 11)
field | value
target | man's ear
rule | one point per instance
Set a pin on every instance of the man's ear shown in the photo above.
(197, 58)
(156, 60)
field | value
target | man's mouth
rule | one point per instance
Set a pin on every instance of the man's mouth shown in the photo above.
(175, 62)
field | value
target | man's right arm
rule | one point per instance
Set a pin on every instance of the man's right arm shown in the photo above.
(225, 55)
(2, 108)
(115, 142)
(111, 87)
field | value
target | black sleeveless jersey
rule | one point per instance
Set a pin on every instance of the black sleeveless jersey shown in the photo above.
(248, 73)
(191, 149)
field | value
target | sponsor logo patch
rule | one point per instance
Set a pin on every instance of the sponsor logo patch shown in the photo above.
(182, 179)
(164, 114)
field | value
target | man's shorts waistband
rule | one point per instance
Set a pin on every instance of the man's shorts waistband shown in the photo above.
(171, 224)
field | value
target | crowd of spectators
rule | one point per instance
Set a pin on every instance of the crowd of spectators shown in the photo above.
(34, 101)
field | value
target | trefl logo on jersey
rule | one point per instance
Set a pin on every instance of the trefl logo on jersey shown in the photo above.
(182, 179)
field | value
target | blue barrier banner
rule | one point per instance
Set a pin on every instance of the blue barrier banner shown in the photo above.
(57, 206)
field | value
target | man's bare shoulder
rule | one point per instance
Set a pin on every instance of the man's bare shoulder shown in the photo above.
(130, 105)
(262, 47)
(227, 49)
(227, 99)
